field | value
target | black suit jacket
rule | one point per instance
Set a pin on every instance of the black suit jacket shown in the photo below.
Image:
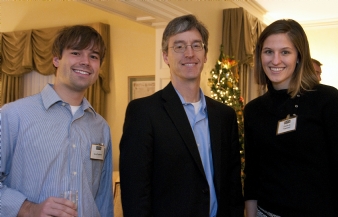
(161, 171)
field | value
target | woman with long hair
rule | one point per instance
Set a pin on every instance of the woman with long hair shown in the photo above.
(291, 132)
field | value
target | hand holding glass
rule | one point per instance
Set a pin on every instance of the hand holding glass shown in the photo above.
(71, 195)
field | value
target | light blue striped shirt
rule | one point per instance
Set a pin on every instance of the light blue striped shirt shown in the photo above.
(46, 150)
(199, 124)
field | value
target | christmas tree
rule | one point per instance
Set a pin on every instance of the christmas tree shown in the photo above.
(224, 84)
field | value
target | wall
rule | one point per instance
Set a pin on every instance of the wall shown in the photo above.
(132, 46)
(323, 46)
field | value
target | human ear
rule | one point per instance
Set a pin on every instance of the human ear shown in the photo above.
(165, 58)
(56, 62)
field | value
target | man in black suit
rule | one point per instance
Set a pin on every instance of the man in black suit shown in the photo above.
(179, 152)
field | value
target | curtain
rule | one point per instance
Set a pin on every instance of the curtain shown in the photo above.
(34, 82)
(24, 51)
(240, 33)
(11, 88)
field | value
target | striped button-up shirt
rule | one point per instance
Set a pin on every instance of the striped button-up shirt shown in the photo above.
(46, 150)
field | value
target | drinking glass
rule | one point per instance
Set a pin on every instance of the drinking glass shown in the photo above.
(71, 195)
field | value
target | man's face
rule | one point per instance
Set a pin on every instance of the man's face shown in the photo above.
(189, 64)
(318, 71)
(77, 69)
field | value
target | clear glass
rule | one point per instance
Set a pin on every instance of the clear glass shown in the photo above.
(71, 195)
(181, 47)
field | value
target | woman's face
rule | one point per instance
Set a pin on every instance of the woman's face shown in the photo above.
(279, 59)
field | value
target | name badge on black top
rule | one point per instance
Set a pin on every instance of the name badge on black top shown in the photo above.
(287, 125)
(97, 152)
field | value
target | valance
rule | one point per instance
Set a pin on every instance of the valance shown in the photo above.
(240, 33)
(24, 51)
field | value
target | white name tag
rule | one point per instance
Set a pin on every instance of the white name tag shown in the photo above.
(97, 152)
(286, 125)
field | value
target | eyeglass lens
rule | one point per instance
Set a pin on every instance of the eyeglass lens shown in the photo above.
(181, 47)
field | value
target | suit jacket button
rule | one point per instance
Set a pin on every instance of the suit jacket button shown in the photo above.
(205, 191)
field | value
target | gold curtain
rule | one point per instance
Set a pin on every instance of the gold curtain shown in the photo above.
(240, 33)
(42, 43)
(24, 51)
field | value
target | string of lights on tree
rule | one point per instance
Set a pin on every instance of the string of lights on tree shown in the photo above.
(224, 84)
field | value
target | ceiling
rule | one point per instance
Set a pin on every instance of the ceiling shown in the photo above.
(307, 12)
(153, 12)
(157, 13)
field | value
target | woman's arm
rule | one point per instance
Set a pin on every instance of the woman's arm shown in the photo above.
(251, 208)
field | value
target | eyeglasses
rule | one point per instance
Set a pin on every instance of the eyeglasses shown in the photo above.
(181, 47)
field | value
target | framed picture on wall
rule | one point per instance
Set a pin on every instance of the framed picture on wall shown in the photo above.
(140, 86)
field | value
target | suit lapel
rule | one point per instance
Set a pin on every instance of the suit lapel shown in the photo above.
(215, 139)
(176, 112)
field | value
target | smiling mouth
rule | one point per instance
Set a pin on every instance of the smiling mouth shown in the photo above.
(81, 72)
(189, 64)
(276, 69)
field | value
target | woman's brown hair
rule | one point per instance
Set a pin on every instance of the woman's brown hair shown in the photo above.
(304, 77)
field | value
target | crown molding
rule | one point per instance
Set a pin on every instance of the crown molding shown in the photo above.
(156, 14)
(166, 10)
(257, 10)
(320, 24)
(253, 8)
(106, 7)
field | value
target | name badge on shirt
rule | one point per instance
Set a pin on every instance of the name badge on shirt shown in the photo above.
(97, 152)
(286, 125)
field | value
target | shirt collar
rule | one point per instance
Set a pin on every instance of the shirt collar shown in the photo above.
(50, 97)
(202, 99)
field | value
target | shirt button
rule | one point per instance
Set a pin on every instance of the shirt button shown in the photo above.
(74, 173)
(74, 145)
(296, 106)
(205, 191)
(298, 95)
(63, 104)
